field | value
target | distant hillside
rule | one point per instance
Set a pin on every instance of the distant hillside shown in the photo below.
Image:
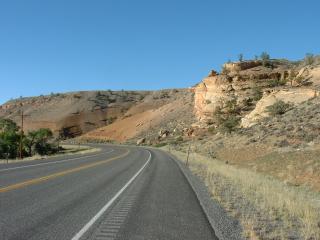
(72, 114)
(121, 115)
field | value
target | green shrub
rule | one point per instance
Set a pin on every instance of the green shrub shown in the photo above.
(229, 124)
(176, 141)
(309, 59)
(240, 57)
(179, 139)
(246, 103)
(212, 130)
(232, 107)
(7, 125)
(9, 138)
(161, 144)
(34, 142)
(279, 108)
(265, 57)
(9, 144)
(277, 82)
(41, 138)
(257, 93)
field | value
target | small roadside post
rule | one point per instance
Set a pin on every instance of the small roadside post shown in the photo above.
(187, 161)
(21, 136)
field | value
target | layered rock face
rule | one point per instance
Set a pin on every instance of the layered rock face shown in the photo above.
(211, 93)
(239, 82)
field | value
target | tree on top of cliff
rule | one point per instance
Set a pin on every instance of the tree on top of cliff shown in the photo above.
(240, 57)
(265, 57)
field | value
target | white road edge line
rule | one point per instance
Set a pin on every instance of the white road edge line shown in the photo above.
(105, 207)
(53, 162)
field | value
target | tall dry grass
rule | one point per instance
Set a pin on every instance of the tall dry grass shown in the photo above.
(266, 207)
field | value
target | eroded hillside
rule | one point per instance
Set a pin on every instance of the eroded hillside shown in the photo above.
(72, 114)
(159, 115)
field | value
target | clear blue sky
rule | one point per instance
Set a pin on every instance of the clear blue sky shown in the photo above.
(64, 45)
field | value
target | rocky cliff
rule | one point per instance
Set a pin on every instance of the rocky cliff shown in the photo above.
(253, 84)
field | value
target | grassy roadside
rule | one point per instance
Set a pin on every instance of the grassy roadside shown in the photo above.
(266, 207)
(68, 150)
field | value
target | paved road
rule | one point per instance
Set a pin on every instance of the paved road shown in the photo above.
(118, 193)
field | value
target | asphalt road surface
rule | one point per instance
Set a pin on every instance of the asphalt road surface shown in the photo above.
(118, 193)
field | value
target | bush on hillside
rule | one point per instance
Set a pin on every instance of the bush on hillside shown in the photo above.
(229, 124)
(240, 57)
(231, 107)
(277, 82)
(279, 108)
(257, 93)
(309, 59)
(265, 57)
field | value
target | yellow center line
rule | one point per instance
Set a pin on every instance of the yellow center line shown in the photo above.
(59, 174)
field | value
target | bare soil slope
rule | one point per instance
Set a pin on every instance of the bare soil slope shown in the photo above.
(166, 110)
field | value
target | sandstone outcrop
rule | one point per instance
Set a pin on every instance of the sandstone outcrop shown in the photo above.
(240, 66)
(237, 82)
(141, 141)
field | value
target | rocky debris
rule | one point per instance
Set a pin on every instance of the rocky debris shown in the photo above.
(188, 131)
(141, 141)
(163, 133)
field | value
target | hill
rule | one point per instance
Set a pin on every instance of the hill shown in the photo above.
(119, 115)
(71, 114)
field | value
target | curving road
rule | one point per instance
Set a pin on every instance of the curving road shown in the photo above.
(118, 193)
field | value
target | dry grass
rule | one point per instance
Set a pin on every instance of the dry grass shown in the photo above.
(296, 167)
(266, 207)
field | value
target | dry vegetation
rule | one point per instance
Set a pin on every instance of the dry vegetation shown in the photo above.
(67, 150)
(266, 207)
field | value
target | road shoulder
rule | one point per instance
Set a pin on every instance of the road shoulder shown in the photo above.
(225, 227)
